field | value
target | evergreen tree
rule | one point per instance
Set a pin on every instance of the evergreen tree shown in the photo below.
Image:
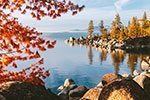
(133, 29)
(117, 20)
(103, 30)
(116, 27)
(126, 31)
(115, 33)
(144, 25)
(129, 24)
(101, 25)
(122, 35)
(90, 28)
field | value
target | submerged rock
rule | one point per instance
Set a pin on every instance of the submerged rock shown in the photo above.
(16, 90)
(123, 89)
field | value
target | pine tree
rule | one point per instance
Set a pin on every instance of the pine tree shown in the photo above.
(129, 24)
(126, 31)
(144, 25)
(90, 28)
(116, 27)
(122, 35)
(103, 30)
(104, 33)
(133, 30)
(117, 20)
(101, 25)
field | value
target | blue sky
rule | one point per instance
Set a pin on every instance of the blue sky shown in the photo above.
(95, 10)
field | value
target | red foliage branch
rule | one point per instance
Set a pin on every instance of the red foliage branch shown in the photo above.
(24, 43)
(41, 8)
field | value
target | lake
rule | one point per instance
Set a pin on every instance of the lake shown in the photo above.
(84, 64)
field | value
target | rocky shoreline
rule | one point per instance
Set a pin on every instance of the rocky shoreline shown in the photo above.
(111, 87)
(112, 44)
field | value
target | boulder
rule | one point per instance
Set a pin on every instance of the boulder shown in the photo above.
(66, 41)
(72, 39)
(144, 82)
(68, 82)
(100, 84)
(146, 73)
(127, 76)
(123, 89)
(64, 94)
(60, 88)
(78, 92)
(2, 97)
(16, 90)
(82, 38)
(110, 77)
(145, 64)
(92, 94)
(147, 69)
(136, 72)
(67, 89)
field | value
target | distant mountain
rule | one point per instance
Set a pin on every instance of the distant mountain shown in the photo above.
(96, 28)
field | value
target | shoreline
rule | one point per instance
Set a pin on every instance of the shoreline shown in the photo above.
(112, 44)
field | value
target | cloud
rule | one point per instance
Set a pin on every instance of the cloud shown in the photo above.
(120, 3)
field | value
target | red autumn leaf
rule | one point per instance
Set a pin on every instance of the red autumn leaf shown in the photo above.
(50, 46)
(74, 13)
(54, 42)
(14, 65)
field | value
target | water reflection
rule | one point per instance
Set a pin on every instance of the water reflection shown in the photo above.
(103, 55)
(90, 54)
(118, 56)
(132, 61)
